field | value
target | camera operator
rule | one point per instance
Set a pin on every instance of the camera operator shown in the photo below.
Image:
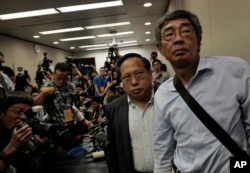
(78, 78)
(57, 97)
(12, 139)
(46, 61)
(23, 83)
(43, 76)
(112, 58)
(113, 54)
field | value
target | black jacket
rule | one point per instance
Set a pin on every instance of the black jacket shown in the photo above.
(118, 151)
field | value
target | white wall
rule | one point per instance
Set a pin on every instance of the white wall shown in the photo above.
(100, 56)
(225, 25)
(20, 53)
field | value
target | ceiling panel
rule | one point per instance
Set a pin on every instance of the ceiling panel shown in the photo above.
(132, 11)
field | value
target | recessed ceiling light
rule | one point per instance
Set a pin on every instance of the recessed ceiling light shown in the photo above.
(147, 23)
(55, 42)
(98, 48)
(36, 36)
(94, 45)
(28, 14)
(61, 30)
(89, 6)
(107, 25)
(126, 42)
(127, 45)
(77, 38)
(116, 34)
(147, 39)
(147, 32)
(72, 47)
(148, 4)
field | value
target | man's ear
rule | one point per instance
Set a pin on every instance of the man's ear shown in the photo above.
(159, 47)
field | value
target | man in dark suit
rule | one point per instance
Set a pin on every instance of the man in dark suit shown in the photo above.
(129, 146)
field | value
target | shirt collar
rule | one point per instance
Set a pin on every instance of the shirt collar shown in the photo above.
(204, 65)
(151, 100)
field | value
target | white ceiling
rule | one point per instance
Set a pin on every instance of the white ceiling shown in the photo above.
(132, 11)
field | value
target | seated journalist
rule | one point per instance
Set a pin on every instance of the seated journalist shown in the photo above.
(13, 156)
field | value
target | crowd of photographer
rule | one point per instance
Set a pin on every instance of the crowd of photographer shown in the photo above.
(71, 102)
(33, 140)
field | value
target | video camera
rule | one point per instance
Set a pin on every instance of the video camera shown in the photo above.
(85, 69)
(111, 51)
(46, 61)
(112, 56)
(40, 75)
(53, 133)
(69, 61)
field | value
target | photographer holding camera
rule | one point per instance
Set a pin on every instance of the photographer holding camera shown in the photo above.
(58, 99)
(12, 139)
(46, 61)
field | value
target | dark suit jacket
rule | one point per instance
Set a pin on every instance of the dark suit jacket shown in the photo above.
(118, 151)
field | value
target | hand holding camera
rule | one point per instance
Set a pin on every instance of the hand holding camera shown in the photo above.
(18, 140)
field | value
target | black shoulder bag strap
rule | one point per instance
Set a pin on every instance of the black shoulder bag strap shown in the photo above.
(209, 122)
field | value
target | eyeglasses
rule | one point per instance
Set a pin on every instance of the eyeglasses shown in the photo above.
(184, 31)
(17, 111)
(127, 78)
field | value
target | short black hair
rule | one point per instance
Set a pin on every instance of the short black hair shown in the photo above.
(177, 14)
(144, 60)
(156, 60)
(62, 66)
(15, 97)
(154, 53)
(8, 71)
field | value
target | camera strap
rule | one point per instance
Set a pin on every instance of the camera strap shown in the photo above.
(209, 122)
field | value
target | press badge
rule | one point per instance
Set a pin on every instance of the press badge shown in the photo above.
(67, 115)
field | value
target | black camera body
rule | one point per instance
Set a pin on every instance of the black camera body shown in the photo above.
(41, 129)
(69, 61)
(44, 130)
(46, 62)
(111, 53)
(38, 128)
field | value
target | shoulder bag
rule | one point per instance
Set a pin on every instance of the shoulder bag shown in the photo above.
(209, 122)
